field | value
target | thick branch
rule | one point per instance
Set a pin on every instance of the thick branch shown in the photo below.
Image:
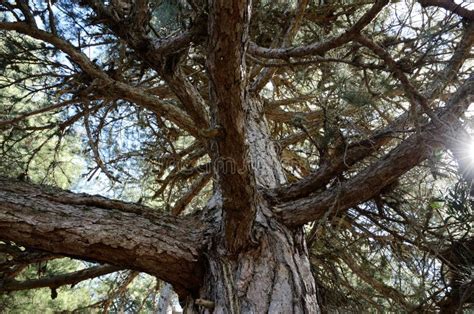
(95, 228)
(320, 47)
(369, 182)
(162, 56)
(358, 151)
(228, 36)
(318, 179)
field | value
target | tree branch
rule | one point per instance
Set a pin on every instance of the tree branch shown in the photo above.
(320, 47)
(96, 228)
(112, 87)
(138, 39)
(195, 188)
(163, 56)
(450, 6)
(358, 151)
(415, 97)
(370, 181)
(228, 37)
(266, 73)
(59, 280)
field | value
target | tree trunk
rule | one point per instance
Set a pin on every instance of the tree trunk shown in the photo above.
(254, 263)
(273, 276)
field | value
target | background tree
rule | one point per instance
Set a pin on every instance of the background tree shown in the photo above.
(276, 157)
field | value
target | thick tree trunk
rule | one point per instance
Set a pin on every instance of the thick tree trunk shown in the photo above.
(242, 254)
(254, 263)
(273, 276)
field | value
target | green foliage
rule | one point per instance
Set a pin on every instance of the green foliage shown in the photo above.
(40, 300)
(460, 202)
(28, 147)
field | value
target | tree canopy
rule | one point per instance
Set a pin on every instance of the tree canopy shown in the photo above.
(204, 124)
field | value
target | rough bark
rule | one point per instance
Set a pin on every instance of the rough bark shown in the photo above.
(254, 263)
(273, 274)
(272, 277)
(262, 264)
(228, 32)
(91, 227)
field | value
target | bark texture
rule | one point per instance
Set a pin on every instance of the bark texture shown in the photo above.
(228, 32)
(98, 229)
(261, 266)
(272, 276)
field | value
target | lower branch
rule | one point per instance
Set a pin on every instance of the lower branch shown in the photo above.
(58, 281)
(95, 228)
